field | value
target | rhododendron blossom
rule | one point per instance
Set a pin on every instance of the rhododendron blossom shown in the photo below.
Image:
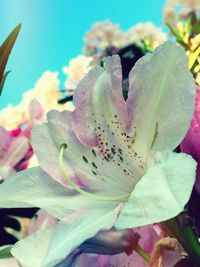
(146, 31)
(118, 248)
(190, 144)
(110, 162)
(14, 152)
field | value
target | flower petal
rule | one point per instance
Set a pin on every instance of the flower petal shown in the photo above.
(11, 262)
(104, 114)
(85, 164)
(113, 242)
(12, 149)
(50, 246)
(161, 193)
(191, 142)
(17, 150)
(82, 101)
(68, 236)
(161, 99)
(104, 95)
(31, 250)
(35, 188)
(108, 242)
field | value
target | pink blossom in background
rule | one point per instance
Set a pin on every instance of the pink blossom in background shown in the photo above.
(191, 142)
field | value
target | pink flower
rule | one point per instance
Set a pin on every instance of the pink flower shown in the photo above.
(14, 151)
(15, 148)
(191, 142)
(149, 240)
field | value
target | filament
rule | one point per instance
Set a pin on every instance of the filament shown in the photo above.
(123, 197)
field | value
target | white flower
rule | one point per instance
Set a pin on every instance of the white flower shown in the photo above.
(112, 159)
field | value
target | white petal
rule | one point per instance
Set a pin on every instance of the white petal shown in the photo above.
(161, 98)
(31, 250)
(68, 237)
(85, 163)
(48, 247)
(35, 188)
(161, 193)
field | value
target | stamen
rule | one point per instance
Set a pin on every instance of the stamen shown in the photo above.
(123, 197)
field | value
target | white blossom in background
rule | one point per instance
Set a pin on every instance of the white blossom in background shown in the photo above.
(183, 7)
(102, 35)
(143, 31)
(77, 69)
(189, 5)
(12, 116)
(46, 91)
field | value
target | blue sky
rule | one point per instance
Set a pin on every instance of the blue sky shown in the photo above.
(53, 31)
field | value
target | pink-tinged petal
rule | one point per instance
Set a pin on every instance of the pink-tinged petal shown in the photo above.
(147, 241)
(87, 164)
(37, 189)
(48, 247)
(5, 140)
(36, 111)
(122, 259)
(11, 262)
(82, 102)
(104, 99)
(161, 99)
(105, 242)
(13, 149)
(37, 115)
(191, 142)
(17, 151)
(103, 166)
(84, 228)
(86, 85)
(41, 220)
(23, 164)
(107, 120)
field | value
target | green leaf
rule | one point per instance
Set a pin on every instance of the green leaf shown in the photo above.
(5, 252)
(193, 57)
(196, 27)
(174, 31)
(5, 51)
(3, 80)
(188, 26)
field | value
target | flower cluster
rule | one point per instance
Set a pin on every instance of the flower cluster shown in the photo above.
(106, 38)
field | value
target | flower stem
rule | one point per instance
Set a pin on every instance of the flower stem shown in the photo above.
(140, 251)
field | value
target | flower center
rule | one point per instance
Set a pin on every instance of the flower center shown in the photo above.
(123, 197)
